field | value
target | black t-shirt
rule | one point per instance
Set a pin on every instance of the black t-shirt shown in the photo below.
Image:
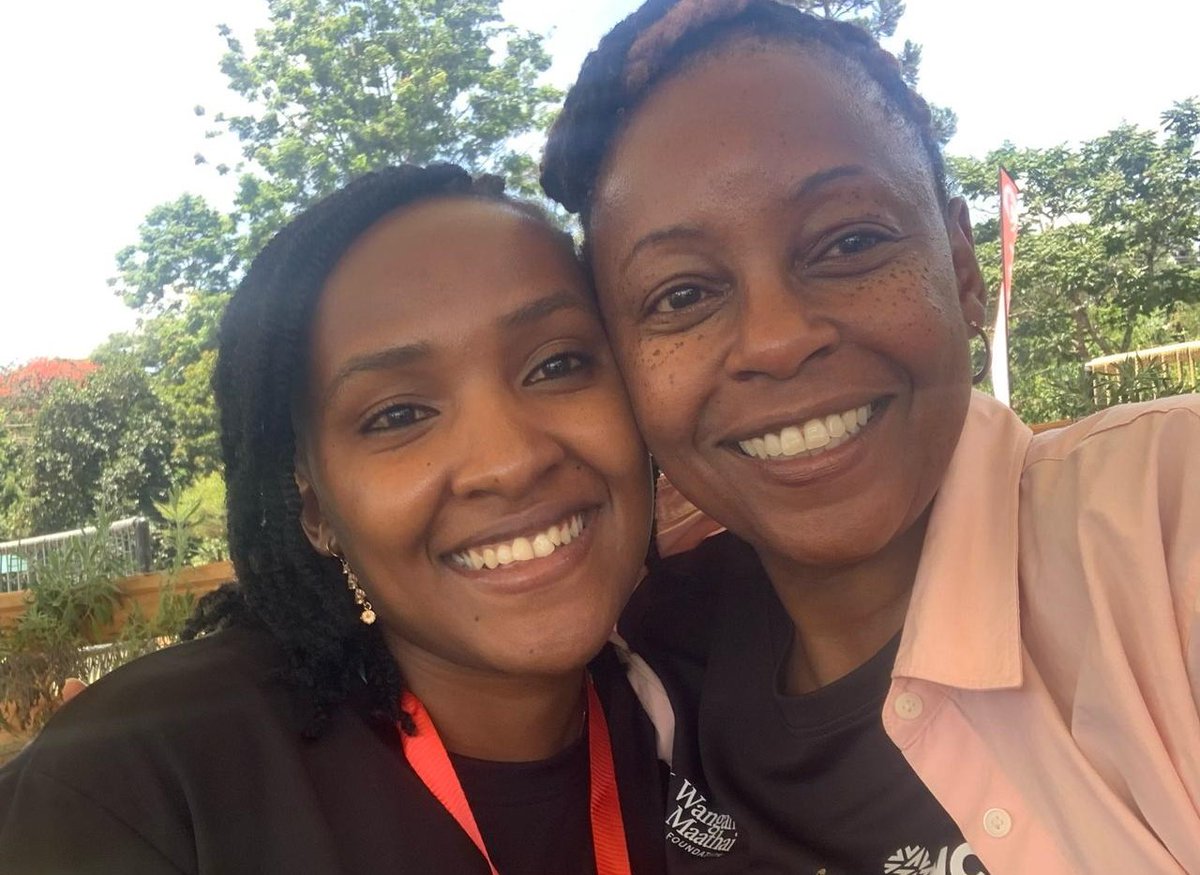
(534, 817)
(762, 781)
(193, 760)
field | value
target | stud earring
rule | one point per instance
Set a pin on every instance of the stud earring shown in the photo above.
(979, 375)
(360, 597)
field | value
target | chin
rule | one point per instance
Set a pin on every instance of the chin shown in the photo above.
(569, 648)
(832, 543)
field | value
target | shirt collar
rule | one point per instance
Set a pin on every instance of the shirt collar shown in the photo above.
(963, 623)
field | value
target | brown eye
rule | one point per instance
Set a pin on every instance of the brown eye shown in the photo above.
(679, 298)
(558, 367)
(854, 243)
(398, 416)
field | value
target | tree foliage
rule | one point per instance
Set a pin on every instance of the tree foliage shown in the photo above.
(333, 89)
(104, 443)
(23, 391)
(13, 505)
(177, 349)
(338, 88)
(182, 246)
(23, 386)
(1108, 254)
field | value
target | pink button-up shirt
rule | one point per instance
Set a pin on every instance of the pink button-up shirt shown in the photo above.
(1047, 684)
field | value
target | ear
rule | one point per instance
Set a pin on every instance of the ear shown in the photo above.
(312, 520)
(972, 295)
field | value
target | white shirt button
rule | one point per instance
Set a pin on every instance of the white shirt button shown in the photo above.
(908, 706)
(997, 822)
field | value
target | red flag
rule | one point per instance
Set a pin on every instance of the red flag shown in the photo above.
(1008, 242)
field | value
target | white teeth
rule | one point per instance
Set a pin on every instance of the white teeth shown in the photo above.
(815, 435)
(542, 546)
(521, 549)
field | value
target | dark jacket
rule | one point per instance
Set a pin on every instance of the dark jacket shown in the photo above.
(192, 760)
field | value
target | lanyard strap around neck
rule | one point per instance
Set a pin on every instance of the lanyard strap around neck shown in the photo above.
(429, 759)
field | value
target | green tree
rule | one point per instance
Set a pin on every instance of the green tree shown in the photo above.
(880, 18)
(105, 443)
(1108, 254)
(177, 349)
(340, 87)
(182, 246)
(334, 89)
(13, 463)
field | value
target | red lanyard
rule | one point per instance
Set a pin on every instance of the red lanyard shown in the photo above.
(428, 758)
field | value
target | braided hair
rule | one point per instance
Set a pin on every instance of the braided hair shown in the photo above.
(284, 584)
(660, 38)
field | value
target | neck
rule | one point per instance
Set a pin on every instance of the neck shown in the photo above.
(844, 615)
(495, 717)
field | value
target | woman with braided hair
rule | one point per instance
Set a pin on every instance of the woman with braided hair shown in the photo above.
(929, 641)
(438, 504)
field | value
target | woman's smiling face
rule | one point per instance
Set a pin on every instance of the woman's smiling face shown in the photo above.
(465, 413)
(787, 299)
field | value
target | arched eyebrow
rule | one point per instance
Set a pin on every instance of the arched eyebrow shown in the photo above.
(395, 357)
(379, 360)
(821, 178)
(805, 188)
(535, 311)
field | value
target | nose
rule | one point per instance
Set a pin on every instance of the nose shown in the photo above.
(504, 448)
(777, 330)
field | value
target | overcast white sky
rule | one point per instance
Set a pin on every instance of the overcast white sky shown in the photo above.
(98, 123)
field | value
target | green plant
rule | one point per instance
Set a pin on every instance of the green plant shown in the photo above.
(73, 594)
(195, 524)
(73, 597)
(1136, 380)
(140, 635)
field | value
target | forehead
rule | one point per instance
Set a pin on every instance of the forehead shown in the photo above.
(447, 243)
(750, 121)
(436, 268)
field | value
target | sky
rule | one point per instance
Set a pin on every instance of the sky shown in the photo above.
(98, 103)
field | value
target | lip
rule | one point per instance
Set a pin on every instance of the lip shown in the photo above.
(534, 574)
(803, 468)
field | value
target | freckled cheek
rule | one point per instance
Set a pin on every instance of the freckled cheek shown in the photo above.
(668, 382)
(912, 312)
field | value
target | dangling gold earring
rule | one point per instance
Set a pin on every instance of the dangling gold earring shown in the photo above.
(360, 597)
(978, 376)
